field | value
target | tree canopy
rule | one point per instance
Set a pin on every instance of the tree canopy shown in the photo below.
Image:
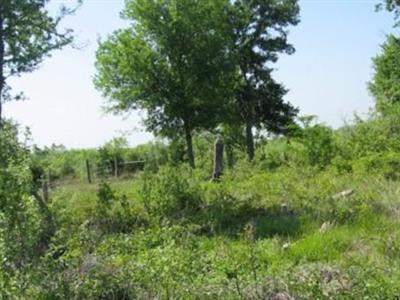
(28, 33)
(260, 35)
(391, 6)
(385, 85)
(191, 65)
(171, 62)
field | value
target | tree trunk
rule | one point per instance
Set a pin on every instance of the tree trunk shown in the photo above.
(2, 47)
(189, 144)
(249, 141)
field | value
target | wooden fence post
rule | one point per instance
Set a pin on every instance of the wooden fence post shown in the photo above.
(218, 159)
(88, 171)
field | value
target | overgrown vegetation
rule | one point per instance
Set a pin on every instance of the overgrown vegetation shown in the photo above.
(276, 227)
(314, 214)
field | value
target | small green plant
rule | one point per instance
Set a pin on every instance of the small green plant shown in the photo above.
(105, 194)
(170, 193)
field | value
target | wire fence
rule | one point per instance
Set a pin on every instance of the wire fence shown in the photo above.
(114, 168)
(94, 173)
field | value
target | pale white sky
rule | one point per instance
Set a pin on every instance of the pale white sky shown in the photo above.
(327, 76)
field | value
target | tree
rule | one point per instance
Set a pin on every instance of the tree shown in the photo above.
(385, 85)
(391, 6)
(27, 34)
(260, 35)
(172, 63)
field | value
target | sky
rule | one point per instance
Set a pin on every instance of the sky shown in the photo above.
(327, 76)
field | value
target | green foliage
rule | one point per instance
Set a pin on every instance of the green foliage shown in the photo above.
(62, 165)
(319, 142)
(215, 53)
(185, 52)
(190, 260)
(385, 86)
(277, 225)
(310, 144)
(37, 37)
(105, 195)
(20, 215)
(114, 212)
(367, 140)
(259, 36)
(391, 6)
(59, 163)
(109, 153)
(170, 194)
(313, 216)
(263, 230)
(275, 154)
(387, 164)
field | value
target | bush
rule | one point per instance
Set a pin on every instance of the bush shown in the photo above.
(319, 142)
(170, 193)
(387, 164)
(20, 212)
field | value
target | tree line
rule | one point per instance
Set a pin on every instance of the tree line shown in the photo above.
(190, 65)
(200, 65)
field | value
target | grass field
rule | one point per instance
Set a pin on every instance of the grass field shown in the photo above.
(254, 235)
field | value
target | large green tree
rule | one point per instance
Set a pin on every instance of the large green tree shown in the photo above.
(172, 63)
(260, 34)
(28, 33)
(385, 85)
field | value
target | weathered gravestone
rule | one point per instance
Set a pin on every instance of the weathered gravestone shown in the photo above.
(218, 159)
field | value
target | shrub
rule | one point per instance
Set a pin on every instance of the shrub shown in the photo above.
(20, 212)
(319, 142)
(170, 193)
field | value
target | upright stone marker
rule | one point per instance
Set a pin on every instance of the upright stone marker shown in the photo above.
(218, 159)
(88, 171)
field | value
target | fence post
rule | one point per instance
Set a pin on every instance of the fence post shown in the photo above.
(88, 171)
(218, 159)
(115, 166)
